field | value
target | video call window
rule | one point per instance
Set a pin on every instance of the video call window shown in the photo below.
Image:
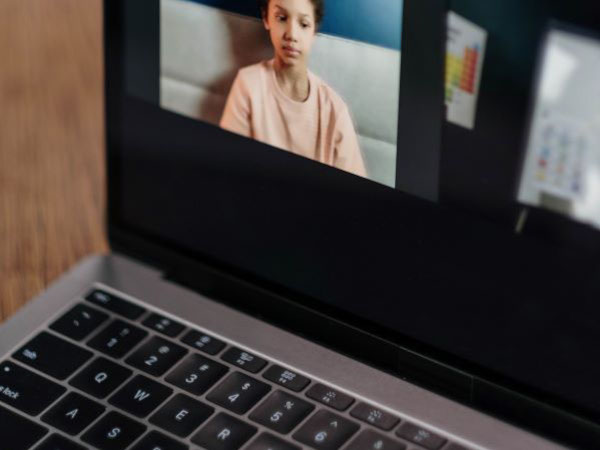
(317, 78)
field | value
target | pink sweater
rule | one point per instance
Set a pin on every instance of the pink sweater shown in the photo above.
(319, 128)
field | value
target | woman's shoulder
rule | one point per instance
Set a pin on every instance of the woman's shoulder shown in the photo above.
(328, 95)
(253, 72)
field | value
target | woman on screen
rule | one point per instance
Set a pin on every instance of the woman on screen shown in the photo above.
(283, 104)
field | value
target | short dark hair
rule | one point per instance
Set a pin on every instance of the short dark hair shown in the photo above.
(319, 6)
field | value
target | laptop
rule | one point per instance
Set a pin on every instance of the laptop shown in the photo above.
(357, 225)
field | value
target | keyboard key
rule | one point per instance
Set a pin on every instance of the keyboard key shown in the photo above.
(181, 415)
(244, 360)
(19, 433)
(286, 378)
(73, 413)
(224, 432)
(57, 442)
(52, 355)
(156, 356)
(163, 325)
(158, 441)
(375, 416)
(270, 442)
(79, 322)
(420, 436)
(454, 446)
(238, 393)
(25, 390)
(117, 339)
(140, 396)
(115, 304)
(114, 432)
(281, 412)
(326, 430)
(203, 342)
(196, 374)
(371, 440)
(330, 397)
(101, 377)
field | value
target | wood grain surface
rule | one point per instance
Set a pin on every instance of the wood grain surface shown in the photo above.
(51, 142)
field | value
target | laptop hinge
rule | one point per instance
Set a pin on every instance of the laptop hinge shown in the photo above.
(325, 327)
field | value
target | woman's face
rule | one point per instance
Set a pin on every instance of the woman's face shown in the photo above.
(291, 24)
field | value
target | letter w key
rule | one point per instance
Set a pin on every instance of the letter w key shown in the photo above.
(140, 396)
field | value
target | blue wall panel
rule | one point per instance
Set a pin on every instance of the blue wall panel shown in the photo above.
(377, 22)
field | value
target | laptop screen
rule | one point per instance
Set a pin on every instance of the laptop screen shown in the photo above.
(393, 163)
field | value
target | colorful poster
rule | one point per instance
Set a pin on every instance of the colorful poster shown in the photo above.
(465, 54)
(562, 149)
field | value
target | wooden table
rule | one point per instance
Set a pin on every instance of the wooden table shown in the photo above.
(51, 142)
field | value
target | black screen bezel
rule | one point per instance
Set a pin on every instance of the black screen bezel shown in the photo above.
(397, 354)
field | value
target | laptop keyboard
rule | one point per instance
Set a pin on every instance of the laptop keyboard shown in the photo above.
(143, 381)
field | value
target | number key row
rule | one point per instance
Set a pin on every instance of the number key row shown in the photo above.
(238, 393)
(196, 374)
(117, 339)
(156, 356)
(281, 412)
